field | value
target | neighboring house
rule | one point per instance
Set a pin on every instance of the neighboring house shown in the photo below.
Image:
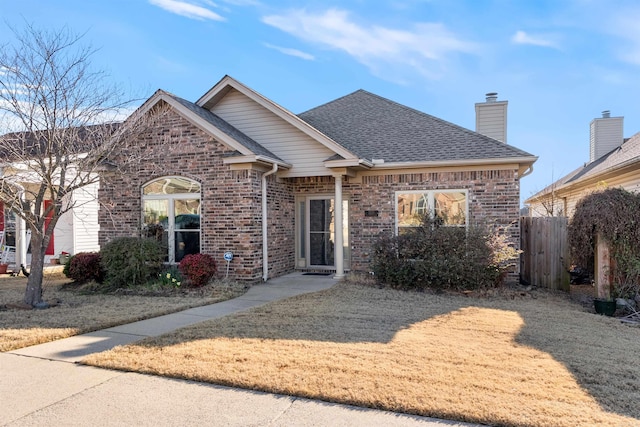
(614, 162)
(76, 230)
(235, 172)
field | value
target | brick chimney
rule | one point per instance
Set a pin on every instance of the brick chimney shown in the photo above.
(606, 134)
(491, 117)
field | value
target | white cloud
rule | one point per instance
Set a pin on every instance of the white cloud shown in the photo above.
(543, 40)
(292, 52)
(242, 2)
(388, 52)
(187, 9)
(624, 24)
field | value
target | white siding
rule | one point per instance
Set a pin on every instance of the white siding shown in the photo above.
(491, 119)
(275, 134)
(85, 219)
(63, 234)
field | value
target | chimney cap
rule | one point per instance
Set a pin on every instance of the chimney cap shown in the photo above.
(492, 96)
(606, 114)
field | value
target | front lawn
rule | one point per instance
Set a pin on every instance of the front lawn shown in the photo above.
(532, 359)
(76, 313)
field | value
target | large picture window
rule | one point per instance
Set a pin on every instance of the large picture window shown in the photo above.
(171, 214)
(450, 206)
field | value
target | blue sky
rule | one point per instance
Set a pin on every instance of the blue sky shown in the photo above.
(558, 63)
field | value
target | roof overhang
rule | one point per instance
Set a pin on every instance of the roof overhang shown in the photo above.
(522, 163)
(628, 167)
(349, 163)
(256, 159)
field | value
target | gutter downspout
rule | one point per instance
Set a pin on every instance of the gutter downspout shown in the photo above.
(265, 248)
(528, 171)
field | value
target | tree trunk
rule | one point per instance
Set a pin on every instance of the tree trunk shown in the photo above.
(603, 268)
(33, 293)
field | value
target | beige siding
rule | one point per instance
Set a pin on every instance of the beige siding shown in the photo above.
(491, 120)
(275, 134)
(605, 135)
(568, 200)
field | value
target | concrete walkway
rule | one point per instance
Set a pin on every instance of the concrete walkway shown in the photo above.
(42, 386)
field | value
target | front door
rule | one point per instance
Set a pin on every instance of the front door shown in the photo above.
(316, 232)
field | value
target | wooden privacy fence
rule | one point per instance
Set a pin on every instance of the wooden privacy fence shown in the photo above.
(545, 258)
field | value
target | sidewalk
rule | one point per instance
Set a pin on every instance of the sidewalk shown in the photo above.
(41, 385)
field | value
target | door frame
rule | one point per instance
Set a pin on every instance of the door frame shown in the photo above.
(303, 232)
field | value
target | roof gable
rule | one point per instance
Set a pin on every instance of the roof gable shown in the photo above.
(374, 127)
(227, 83)
(212, 124)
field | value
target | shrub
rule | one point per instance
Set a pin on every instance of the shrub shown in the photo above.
(84, 267)
(613, 215)
(131, 261)
(198, 268)
(439, 257)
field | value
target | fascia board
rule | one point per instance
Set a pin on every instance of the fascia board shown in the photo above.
(252, 158)
(348, 163)
(468, 162)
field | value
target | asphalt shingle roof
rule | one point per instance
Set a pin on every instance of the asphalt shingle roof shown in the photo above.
(626, 153)
(72, 140)
(373, 127)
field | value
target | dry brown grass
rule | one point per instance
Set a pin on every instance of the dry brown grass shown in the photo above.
(520, 359)
(77, 313)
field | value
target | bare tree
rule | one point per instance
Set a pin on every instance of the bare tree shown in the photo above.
(53, 110)
(546, 202)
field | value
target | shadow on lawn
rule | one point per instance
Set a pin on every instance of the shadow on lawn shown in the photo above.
(600, 354)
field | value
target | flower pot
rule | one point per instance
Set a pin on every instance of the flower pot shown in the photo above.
(605, 307)
(3, 268)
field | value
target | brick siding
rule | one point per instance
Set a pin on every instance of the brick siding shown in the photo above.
(231, 200)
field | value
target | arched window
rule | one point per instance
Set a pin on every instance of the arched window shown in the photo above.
(171, 213)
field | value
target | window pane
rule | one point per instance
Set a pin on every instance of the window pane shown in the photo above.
(187, 242)
(321, 232)
(411, 208)
(171, 186)
(320, 215)
(156, 212)
(451, 207)
(156, 221)
(187, 214)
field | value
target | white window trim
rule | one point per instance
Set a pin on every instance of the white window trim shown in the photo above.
(171, 208)
(431, 203)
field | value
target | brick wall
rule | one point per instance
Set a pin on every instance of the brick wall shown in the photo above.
(230, 200)
(281, 229)
(493, 195)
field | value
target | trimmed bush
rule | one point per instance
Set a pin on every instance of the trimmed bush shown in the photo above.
(198, 268)
(131, 261)
(84, 267)
(439, 257)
